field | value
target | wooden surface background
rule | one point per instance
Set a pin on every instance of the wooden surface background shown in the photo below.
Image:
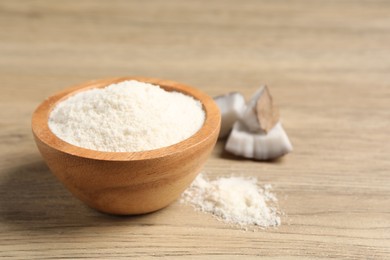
(328, 67)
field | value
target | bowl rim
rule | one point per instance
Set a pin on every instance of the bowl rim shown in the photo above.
(42, 132)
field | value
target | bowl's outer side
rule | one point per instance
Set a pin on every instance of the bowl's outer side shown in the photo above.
(128, 187)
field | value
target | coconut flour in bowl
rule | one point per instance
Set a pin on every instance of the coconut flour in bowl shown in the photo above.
(128, 116)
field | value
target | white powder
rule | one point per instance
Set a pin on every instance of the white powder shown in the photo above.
(235, 200)
(126, 117)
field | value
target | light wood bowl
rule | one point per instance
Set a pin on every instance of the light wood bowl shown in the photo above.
(127, 182)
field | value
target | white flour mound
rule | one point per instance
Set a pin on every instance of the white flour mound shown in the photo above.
(129, 116)
(235, 200)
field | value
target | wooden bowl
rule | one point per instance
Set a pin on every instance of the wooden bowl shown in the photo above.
(127, 182)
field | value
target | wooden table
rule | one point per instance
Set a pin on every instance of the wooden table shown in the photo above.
(327, 64)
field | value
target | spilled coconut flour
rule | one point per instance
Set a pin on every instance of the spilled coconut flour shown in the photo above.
(236, 200)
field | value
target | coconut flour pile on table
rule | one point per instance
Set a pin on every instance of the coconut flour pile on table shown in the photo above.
(129, 116)
(235, 200)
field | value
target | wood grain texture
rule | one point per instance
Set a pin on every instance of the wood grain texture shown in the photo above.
(327, 65)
